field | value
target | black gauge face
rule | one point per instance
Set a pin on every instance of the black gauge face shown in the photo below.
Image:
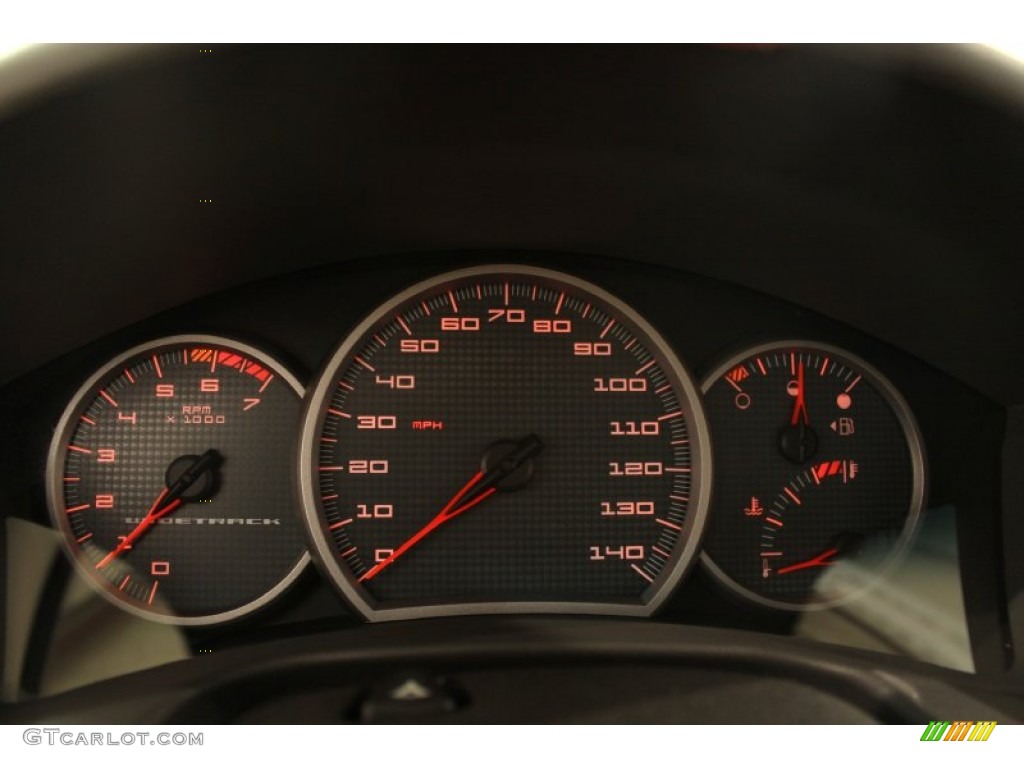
(819, 479)
(170, 480)
(504, 439)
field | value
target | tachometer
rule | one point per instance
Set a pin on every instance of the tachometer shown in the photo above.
(170, 480)
(504, 439)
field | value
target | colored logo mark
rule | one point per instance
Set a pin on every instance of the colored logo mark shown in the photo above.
(959, 730)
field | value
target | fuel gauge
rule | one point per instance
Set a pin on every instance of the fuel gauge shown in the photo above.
(819, 475)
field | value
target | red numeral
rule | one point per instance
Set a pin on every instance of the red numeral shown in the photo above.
(376, 422)
(127, 417)
(104, 501)
(377, 511)
(552, 326)
(624, 508)
(620, 385)
(106, 456)
(510, 315)
(368, 466)
(397, 382)
(627, 428)
(628, 552)
(635, 468)
(592, 349)
(460, 323)
(160, 568)
(426, 346)
(209, 385)
(380, 555)
(165, 390)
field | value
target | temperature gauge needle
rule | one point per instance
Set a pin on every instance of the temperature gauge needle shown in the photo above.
(481, 486)
(168, 501)
(814, 562)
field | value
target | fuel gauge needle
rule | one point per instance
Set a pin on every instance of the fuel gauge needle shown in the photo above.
(814, 562)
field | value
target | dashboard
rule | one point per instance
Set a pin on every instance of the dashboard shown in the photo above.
(712, 352)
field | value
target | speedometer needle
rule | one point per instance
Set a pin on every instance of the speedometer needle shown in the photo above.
(168, 501)
(814, 562)
(480, 486)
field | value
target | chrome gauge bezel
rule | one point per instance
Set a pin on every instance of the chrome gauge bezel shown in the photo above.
(655, 595)
(918, 463)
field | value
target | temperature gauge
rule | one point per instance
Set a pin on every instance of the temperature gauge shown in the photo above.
(820, 475)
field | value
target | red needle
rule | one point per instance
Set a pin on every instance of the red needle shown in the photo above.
(799, 406)
(448, 513)
(154, 514)
(480, 486)
(814, 562)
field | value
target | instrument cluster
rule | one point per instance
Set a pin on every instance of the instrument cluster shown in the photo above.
(535, 436)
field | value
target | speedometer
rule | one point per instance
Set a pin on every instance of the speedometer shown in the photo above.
(504, 439)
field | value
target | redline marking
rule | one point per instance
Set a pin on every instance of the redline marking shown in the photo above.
(80, 450)
(506, 293)
(331, 469)
(681, 498)
(156, 366)
(213, 361)
(108, 398)
(606, 329)
(684, 470)
(87, 420)
(761, 366)
(793, 496)
(558, 306)
(184, 354)
(773, 521)
(630, 345)
(84, 538)
(339, 413)
(644, 367)
(349, 551)
(586, 310)
(328, 439)
(814, 474)
(734, 385)
(129, 375)
(266, 383)
(479, 292)
(405, 327)
(649, 579)
(329, 498)
(152, 592)
(771, 554)
(425, 307)
(663, 388)
(124, 583)
(661, 551)
(852, 385)
(379, 340)
(455, 306)
(823, 367)
(346, 385)
(670, 415)
(681, 441)
(668, 524)
(365, 364)
(79, 508)
(533, 294)
(72, 479)
(339, 524)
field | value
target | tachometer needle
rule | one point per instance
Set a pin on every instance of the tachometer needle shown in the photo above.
(168, 501)
(480, 486)
(814, 562)
(800, 406)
